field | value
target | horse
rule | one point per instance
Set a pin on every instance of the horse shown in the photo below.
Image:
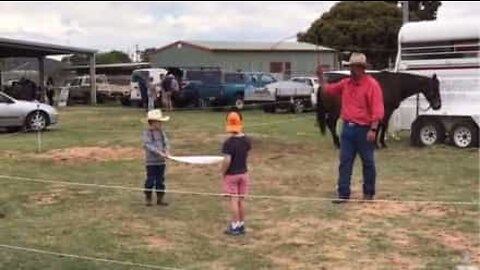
(396, 87)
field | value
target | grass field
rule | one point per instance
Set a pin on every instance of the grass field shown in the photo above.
(102, 146)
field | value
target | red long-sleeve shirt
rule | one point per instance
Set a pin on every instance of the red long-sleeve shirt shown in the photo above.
(362, 101)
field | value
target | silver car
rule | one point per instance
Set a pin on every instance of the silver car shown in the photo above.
(17, 114)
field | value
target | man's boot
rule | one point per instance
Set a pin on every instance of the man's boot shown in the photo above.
(160, 201)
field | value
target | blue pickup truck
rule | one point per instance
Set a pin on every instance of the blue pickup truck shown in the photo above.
(218, 88)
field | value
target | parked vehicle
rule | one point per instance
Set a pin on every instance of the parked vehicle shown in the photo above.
(297, 95)
(219, 88)
(16, 114)
(451, 51)
(156, 74)
(311, 81)
(79, 89)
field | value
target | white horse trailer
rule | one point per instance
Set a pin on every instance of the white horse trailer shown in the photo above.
(452, 51)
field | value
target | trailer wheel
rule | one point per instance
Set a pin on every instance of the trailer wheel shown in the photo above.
(427, 132)
(464, 135)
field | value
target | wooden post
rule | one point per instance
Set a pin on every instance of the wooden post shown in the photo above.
(93, 80)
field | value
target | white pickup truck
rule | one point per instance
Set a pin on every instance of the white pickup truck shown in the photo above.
(297, 95)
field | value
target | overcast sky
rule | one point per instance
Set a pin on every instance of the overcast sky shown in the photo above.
(110, 25)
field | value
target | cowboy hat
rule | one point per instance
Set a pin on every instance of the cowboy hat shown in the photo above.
(357, 59)
(156, 115)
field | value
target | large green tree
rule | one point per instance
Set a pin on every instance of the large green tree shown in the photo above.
(110, 57)
(370, 27)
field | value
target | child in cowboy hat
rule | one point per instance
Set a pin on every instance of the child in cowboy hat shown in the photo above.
(234, 171)
(156, 147)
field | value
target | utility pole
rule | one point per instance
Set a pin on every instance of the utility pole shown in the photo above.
(137, 53)
(405, 12)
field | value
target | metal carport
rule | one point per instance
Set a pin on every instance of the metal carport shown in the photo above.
(22, 48)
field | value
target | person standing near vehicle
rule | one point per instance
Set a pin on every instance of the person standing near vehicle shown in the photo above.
(362, 110)
(142, 86)
(50, 90)
(152, 94)
(169, 85)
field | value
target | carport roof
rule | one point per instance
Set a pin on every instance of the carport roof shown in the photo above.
(24, 48)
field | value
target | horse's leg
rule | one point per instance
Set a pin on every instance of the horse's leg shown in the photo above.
(384, 128)
(332, 126)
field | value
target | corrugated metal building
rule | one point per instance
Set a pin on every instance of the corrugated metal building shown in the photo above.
(285, 58)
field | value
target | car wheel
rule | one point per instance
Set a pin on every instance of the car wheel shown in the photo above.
(239, 102)
(37, 121)
(269, 108)
(464, 135)
(202, 103)
(298, 106)
(125, 101)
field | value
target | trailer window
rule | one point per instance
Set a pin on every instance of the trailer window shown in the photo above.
(440, 50)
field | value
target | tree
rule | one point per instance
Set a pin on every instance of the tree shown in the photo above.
(111, 57)
(421, 10)
(368, 27)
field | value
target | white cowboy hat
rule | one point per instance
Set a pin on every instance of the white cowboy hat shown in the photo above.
(156, 115)
(357, 59)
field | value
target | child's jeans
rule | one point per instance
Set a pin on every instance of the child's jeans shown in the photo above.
(155, 178)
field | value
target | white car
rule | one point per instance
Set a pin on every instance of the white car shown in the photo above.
(311, 81)
(17, 114)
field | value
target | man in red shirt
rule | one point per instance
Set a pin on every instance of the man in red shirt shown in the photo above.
(362, 110)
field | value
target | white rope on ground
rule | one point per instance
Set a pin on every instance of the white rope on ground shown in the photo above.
(86, 258)
(209, 194)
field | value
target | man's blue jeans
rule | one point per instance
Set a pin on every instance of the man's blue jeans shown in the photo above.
(354, 141)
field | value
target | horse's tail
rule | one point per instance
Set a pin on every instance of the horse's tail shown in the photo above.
(321, 112)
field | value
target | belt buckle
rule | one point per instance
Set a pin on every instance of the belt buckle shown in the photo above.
(351, 124)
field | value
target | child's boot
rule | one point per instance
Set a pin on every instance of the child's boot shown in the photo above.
(148, 198)
(160, 196)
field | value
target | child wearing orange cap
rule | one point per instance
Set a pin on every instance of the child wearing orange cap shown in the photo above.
(235, 172)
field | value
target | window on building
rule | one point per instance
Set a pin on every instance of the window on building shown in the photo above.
(276, 67)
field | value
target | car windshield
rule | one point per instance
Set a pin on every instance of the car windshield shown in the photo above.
(4, 98)
(76, 82)
(234, 78)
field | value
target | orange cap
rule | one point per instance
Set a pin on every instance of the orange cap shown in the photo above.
(234, 123)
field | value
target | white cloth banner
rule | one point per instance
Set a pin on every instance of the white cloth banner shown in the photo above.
(201, 160)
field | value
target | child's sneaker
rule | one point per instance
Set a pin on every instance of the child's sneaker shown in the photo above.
(231, 231)
(241, 229)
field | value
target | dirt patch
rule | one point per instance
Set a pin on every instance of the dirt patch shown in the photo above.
(459, 242)
(88, 154)
(402, 263)
(398, 209)
(52, 196)
(7, 153)
(155, 242)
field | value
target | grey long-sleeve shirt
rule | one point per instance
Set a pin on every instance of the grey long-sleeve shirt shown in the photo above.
(153, 142)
